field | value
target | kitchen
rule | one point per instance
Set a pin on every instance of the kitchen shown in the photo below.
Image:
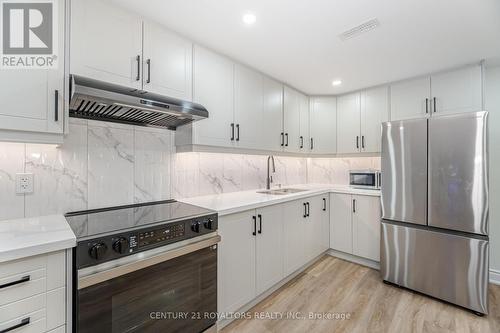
(204, 166)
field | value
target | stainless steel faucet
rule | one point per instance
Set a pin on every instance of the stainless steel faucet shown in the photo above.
(270, 158)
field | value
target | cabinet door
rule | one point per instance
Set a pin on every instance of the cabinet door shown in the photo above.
(305, 143)
(167, 63)
(316, 228)
(340, 222)
(293, 229)
(291, 120)
(43, 110)
(348, 123)
(236, 261)
(323, 125)
(213, 88)
(269, 247)
(457, 91)
(374, 111)
(105, 43)
(273, 115)
(410, 99)
(366, 227)
(248, 107)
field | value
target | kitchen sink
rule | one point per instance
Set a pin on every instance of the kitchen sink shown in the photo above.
(282, 191)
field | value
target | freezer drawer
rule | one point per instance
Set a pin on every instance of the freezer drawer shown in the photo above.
(451, 267)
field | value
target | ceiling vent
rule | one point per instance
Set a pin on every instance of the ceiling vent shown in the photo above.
(358, 30)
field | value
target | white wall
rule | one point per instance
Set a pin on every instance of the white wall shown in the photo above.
(492, 100)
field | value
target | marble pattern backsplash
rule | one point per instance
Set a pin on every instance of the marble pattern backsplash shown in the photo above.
(105, 164)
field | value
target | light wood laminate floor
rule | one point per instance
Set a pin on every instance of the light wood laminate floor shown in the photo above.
(333, 285)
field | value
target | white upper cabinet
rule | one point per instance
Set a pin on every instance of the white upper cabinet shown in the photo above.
(348, 124)
(454, 91)
(323, 125)
(273, 114)
(366, 227)
(249, 113)
(291, 120)
(374, 111)
(32, 100)
(167, 63)
(304, 138)
(457, 91)
(212, 88)
(106, 43)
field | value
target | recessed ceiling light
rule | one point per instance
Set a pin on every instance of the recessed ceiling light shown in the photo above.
(249, 18)
(336, 82)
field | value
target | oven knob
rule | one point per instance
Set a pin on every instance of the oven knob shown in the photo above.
(97, 251)
(208, 224)
(195, 226)
(121, 245)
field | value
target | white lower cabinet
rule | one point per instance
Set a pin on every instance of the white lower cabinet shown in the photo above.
(260, 247)
(355, 225)
(33, 296)
(236, 261)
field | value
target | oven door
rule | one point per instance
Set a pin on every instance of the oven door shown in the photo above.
(171, 291)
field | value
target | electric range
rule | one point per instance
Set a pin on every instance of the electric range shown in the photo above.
(144, 267)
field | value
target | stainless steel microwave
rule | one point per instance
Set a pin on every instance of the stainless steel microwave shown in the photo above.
(367, 179)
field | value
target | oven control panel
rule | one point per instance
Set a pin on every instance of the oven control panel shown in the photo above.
(96, 251)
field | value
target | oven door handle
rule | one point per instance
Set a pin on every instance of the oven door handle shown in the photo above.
(92, 279)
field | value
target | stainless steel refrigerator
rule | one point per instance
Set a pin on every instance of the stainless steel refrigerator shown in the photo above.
(435, 207)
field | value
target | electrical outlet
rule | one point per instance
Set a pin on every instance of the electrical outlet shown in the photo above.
(24, 183)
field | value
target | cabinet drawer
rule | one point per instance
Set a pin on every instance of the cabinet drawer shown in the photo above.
(32, 309)
(31, 276)
(35, 282)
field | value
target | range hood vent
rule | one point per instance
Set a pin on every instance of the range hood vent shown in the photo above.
(97, 100)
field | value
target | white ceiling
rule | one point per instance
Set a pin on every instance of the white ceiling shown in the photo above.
(296, 41)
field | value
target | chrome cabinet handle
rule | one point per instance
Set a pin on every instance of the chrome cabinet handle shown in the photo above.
(56, 105)
(13, 283)
(260, 223)
(254, 232)
(148, 62)
(138, 60)
(232, 131)
(23, 322)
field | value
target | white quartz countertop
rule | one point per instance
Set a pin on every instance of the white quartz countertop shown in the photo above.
(229, 203)
(21, 238)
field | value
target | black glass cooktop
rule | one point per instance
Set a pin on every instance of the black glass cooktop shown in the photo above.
(92, 223)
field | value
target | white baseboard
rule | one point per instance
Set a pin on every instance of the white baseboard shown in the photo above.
(494, 276)
(355, 259)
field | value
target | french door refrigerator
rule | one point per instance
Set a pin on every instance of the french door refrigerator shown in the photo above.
(435, 207)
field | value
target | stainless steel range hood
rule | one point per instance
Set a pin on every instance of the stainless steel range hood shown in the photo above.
(97, 100)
